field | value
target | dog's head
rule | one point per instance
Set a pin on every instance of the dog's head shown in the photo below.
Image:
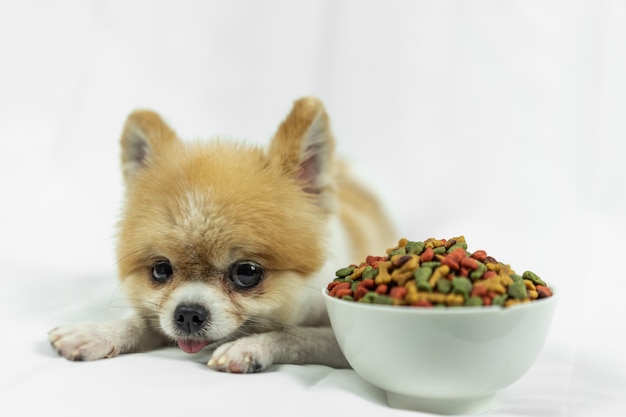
(219, 238)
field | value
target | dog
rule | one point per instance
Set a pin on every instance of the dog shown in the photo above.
(226, 246)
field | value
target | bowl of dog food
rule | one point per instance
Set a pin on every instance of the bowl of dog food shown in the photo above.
(439, 328)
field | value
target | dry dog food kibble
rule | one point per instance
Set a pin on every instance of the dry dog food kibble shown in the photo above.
(436, 273)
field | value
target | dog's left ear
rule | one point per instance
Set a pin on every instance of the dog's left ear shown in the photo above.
(145, 139)
(304, 146)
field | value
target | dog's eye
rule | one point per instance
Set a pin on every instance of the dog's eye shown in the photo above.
(162, 271)
(246, 274)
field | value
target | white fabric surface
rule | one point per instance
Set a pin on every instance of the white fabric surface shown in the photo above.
(502, 121)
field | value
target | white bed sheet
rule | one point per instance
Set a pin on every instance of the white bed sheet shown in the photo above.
(502, 121)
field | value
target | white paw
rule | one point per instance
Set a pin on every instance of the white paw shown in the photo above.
(247, 355)
(84, 341)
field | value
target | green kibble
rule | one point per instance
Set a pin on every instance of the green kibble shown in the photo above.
(457, 245)
(478, 272)
(342, 280)
(423, 286)
(534, 278)
(382, 299)
(516, 278)
(444, 286)
(369, 273)
(399, 251)
(373, 298)
(354, 286)
(367, 268)
(414, 248)
(432, 265)
(461, 285)
(474, 302)
(440, 250)
(421, 278)
(518, 290)
(347, 298)
(344, 272)
(499, 300)
(368, 297)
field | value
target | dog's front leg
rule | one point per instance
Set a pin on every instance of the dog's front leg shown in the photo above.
(296, 345)
(92, 340)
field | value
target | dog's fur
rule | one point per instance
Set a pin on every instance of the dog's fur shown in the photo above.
(200, 217)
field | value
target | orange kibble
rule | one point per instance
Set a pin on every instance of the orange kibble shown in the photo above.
(368, 283)
(427, 256)
(480, 255)
(457, 254)
(479, 291)
(450, 261)
(469, 263)
(341, 286)
(398, 293)
(360, 292)
(543, 291)
(381, 289)
(422, 303)
(489, 274)
(343, 292)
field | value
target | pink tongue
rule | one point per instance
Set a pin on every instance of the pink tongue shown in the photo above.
(192, 346)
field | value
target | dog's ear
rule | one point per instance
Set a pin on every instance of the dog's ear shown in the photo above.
(304, 146)
(144, 139)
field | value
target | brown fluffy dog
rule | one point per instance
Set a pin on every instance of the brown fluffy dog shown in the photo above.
(228, 246)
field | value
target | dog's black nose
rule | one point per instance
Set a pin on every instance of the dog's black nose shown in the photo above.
(190, 318)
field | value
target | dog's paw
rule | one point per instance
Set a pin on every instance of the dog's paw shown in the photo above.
(247, 355)
(84, 341)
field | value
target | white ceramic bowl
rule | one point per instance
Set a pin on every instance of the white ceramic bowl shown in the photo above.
(446, 361)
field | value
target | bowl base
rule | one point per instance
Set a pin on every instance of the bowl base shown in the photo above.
(474, 405)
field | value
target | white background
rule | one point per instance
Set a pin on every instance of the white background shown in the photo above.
(501, 121)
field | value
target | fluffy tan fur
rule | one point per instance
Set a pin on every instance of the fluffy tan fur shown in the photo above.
(205, 206)
(246, 204)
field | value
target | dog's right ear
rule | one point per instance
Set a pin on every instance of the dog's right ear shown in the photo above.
(144, 139)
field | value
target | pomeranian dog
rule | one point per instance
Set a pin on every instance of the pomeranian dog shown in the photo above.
(227, 246)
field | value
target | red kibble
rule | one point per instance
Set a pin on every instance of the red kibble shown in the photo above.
(489, 274)
(479, 291)
(343, 292)
(448, 260)
(543, 291)
(398, 293)
(370, 284)
(457, 254)
(381, 289)
(422, 303)
(340, 286)
(360, 292)
(469, 263)
(373, 260)
(428, 255)
(480, 255)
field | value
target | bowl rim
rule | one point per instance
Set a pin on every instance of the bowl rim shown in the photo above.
(444, 311)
